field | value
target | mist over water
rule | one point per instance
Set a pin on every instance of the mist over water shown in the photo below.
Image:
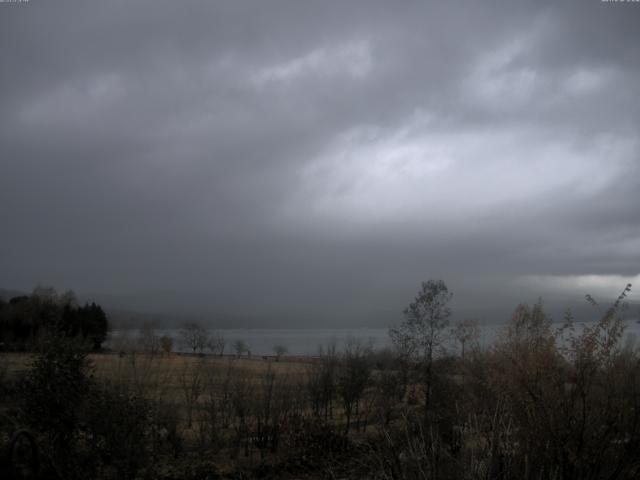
(261, 342)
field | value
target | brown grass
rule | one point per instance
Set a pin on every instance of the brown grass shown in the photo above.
(108, 362)
(162, 375)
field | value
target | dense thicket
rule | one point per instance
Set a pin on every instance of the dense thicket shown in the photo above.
(25, 320)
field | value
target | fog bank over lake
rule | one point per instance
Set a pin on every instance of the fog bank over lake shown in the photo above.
(309, 341)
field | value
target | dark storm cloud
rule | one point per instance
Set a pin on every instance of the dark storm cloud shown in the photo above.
(302, 160)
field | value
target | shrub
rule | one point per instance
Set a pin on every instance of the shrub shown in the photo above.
(52, 396)
(118, 428)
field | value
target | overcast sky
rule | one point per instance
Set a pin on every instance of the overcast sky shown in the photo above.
(309, 163)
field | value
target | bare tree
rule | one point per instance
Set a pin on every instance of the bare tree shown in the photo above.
(240, 346)
(121, 342)
(217, 343)
(353, 379)
(388, 391)
(464, 332)
(147, 339)
(141, 373)
(194, 336)
(242, 402)
(280, 350)
(321, 382)
(271, 404)
(217, 408)
(422, 332)
(192, 383)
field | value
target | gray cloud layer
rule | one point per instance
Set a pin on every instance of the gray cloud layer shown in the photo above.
(307, 160)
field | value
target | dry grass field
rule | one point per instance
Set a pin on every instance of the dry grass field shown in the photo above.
(184, 381)
(108, 364)
(167, 375)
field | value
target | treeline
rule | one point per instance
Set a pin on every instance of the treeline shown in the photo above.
(25, 320)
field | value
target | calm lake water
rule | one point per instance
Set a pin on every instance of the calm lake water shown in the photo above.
(308, 341)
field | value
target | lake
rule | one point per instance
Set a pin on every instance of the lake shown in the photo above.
(307, 341)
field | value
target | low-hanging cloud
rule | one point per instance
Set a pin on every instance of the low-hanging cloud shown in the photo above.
(295, 163)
